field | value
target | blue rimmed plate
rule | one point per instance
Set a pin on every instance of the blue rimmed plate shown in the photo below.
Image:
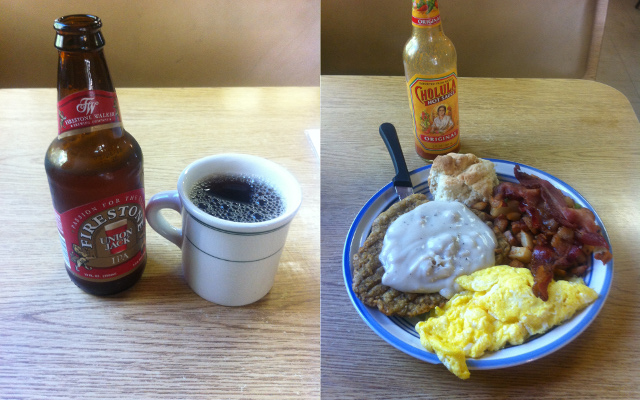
(400, 333)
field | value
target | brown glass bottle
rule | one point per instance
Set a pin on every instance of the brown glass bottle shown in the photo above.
(94, 167)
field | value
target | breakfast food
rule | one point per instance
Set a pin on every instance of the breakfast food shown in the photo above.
(426, 249)
(462, 177)
(548, 233)
(497, 307)
(545, 238)
(368, 270)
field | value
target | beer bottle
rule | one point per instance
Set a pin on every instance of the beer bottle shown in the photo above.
(94, 167)
(430, 65)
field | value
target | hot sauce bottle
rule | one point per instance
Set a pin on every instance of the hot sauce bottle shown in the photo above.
(94, 167)
(430, 65)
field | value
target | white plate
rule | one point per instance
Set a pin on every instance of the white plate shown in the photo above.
(400, 332)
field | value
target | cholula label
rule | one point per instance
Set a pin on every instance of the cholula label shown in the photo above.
(86, 111)
(104, 240)
(434, 102)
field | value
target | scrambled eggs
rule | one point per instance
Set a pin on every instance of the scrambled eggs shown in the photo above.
(497, 306)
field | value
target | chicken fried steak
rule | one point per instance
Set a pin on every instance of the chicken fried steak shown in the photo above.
(368, 270)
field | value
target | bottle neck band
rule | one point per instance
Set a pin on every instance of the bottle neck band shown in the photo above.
(425, 14)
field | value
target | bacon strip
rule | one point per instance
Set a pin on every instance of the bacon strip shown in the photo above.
(564, 236)
(582, 220)
(516, 191)
(542, 276)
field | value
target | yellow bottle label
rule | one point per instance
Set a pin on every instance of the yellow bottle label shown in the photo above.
(425, 13)
(434, 103)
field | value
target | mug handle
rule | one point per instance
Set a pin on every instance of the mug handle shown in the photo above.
(169, 199)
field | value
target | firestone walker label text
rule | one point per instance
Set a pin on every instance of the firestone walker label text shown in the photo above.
(86, 111)
(425, 13)
(434, 102)
(104, 240)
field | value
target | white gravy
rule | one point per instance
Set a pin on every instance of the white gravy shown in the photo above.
(426, 249)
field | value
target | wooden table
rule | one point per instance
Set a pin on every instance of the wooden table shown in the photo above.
(159, 339)
(582, 132)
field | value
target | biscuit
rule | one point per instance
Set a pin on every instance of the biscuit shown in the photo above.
(462, 177)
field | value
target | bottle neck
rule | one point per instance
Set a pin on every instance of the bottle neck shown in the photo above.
(81, 62)
(425, 18)
(427, 32)
(87, 101)
(82, 70)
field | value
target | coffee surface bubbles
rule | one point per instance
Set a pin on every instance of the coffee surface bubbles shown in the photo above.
(237, 198)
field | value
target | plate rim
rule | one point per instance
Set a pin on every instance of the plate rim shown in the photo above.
(589, 313)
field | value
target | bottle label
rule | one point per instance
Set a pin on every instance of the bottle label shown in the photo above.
(434, 104)
(87, 111)
(104, 240)
(425, 13)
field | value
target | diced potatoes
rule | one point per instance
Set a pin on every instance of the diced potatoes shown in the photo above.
(522, 254)
(565, 233)
(500, 211)
(513, 215)
(526, 239)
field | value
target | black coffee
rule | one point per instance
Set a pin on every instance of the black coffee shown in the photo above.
(237, 198)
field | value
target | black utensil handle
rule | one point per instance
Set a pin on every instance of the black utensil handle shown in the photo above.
(390, 137)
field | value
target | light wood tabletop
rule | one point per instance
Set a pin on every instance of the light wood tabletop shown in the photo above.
(159, 339)
(582, 132)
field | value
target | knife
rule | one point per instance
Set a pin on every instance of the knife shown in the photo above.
(402, 180)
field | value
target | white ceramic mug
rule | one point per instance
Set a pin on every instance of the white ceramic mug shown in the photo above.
(226, 262)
